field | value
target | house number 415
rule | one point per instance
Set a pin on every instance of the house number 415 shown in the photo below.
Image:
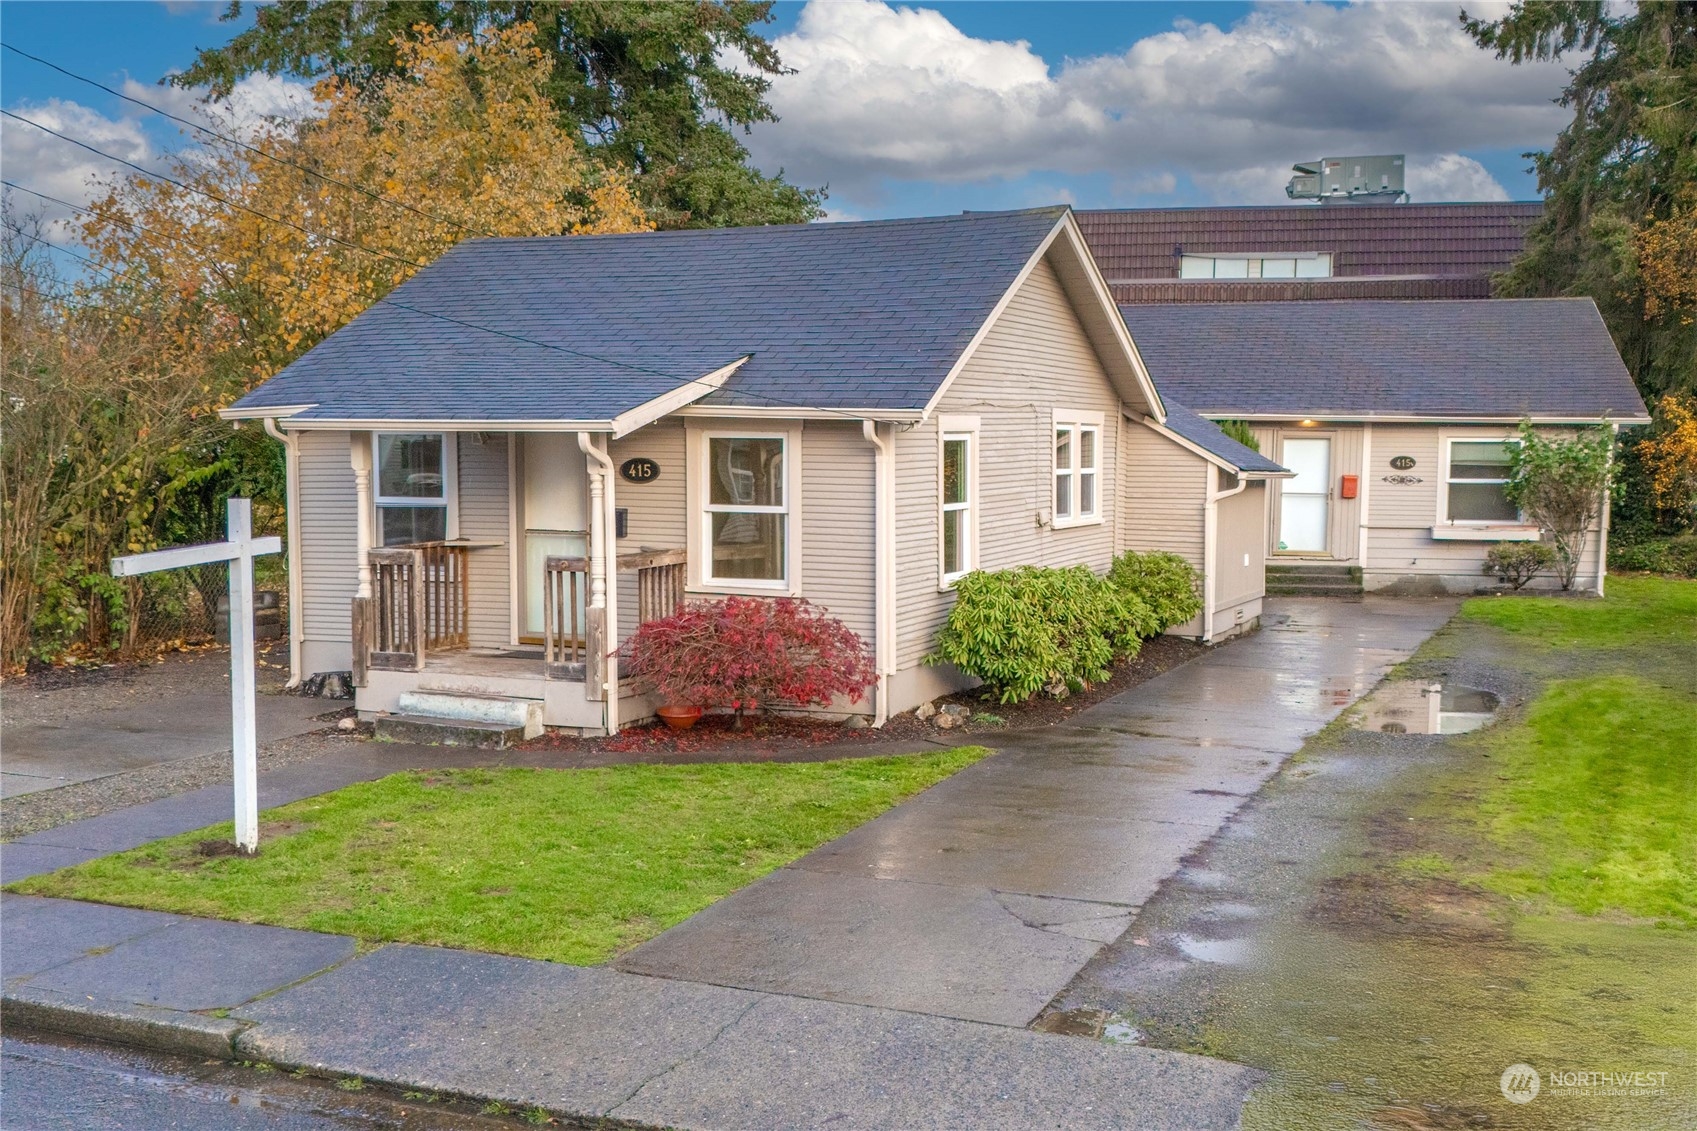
(639, 470)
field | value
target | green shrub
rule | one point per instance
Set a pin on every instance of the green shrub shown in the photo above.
(1671, 557)
(1028, 629)
(1163, 583)
(1516, 563)
(1239, 430)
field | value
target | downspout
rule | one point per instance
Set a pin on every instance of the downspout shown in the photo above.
(1210, 549)
(1603, 543)
(883, 572)
(605, 570)
(292, 487)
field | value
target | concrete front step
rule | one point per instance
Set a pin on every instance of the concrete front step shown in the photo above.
(473, 707)
(1312, 579)
(433, 730)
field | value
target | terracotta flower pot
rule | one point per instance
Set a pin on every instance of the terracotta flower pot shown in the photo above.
(679, 718)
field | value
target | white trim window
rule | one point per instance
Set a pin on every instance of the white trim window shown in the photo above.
(1476, 476)
(413, 486)
(1078, 466)
(957, 492)
(746, 532)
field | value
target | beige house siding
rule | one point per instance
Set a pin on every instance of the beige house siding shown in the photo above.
(329, 551)
(1239, 565)
(837, 550)
(485, 510)
(1163, 501)
(1035, 361)
(1401, 549)
(656, 518)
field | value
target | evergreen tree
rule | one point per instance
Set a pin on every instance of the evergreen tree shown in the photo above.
(650, 85)
(1620, 183)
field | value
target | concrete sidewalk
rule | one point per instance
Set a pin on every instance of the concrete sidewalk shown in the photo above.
(984, 896)
(882, 981)
(583, 1042)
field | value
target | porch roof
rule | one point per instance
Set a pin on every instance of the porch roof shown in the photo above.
(848, 317)
(1470, 359)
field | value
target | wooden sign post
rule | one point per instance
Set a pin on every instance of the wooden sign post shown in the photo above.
(240, 550)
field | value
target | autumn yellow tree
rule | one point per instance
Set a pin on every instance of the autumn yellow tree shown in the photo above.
(1670, 456)
(263, 248)
(1667, 262)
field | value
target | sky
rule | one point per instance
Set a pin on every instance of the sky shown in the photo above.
(933, 108)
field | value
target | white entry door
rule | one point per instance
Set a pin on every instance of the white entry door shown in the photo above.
(1306, 499)
(555, 515)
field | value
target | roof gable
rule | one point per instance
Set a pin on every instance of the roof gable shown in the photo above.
(863, 317)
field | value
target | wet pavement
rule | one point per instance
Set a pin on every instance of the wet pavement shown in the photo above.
(179, 708)
(58, 1082)
(983, 897)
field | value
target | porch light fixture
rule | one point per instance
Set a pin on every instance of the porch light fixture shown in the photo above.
(1308, 423)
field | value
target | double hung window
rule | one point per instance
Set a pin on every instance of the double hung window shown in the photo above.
(412, 487)
(747, 509)
(959, 552)
(1078, 454)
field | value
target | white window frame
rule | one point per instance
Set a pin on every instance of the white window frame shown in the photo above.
(701, 511)
(1190, 264)
(1443, 520)
(958, 428)
(450, 500)
(1078, 423)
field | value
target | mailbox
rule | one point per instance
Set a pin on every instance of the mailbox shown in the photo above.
(1350, 486)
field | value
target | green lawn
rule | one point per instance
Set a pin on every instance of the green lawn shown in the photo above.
(568, 865)
(1598, 811)
(1638, 612)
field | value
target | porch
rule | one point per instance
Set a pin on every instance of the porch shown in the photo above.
(412, 636)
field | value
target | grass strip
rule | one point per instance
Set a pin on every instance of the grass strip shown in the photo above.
(566, 865)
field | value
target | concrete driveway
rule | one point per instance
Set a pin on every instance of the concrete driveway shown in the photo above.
(981, 898)
(107, 724)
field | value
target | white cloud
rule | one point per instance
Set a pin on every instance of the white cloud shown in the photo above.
(1450, 176)
(58, 168)
(901, 93)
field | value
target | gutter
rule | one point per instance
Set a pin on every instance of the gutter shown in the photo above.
(883, 572)
(292, 487)
(1210, 540)
(609, 555)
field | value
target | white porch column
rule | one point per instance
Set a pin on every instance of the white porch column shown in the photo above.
(359, 455)
(604, 566)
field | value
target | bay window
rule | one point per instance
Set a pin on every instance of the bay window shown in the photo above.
(414, 483)
(1477, 482)
(747, 510)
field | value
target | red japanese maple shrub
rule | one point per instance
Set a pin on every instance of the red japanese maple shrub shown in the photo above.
(747, 652)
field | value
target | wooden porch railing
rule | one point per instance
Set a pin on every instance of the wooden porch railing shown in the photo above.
(574, 636)
(419, 596)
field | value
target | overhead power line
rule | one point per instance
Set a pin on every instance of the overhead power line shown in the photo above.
(771, 400)
(226, 138)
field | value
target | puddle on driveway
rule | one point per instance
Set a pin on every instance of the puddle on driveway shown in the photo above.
(1420, 707)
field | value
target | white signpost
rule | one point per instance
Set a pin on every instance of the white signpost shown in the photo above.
(240, 550)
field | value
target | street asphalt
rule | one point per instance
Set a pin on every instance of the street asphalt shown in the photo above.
(883, 981)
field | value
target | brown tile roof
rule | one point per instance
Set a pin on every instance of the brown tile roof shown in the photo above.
(1408, 250)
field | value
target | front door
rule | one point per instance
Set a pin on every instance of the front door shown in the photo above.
(555, 516)
(1306, 499)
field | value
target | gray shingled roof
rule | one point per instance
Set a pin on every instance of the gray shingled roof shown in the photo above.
(847, 316)
(1205, 434)
(1477, 358)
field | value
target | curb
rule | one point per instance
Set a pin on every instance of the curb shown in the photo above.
(161, 1030)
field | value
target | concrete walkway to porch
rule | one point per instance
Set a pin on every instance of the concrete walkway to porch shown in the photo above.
(981, 898)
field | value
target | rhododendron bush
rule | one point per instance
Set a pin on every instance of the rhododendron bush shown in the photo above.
(748, 652)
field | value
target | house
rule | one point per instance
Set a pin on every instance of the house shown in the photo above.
(533, 445)
(1397, 418)
(1295, 252)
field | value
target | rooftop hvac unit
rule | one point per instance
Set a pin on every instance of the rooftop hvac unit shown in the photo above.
(1349, 180)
